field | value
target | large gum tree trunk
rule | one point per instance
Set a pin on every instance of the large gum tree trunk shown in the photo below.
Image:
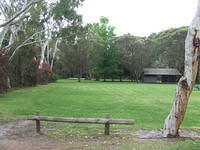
(186, 83)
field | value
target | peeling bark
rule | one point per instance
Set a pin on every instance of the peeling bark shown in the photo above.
(186, 83)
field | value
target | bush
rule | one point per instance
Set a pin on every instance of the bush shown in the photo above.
(53, 77)
(43, 74)
(3, 70)
(24, 70)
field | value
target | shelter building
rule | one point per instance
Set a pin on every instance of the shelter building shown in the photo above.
(161, 75)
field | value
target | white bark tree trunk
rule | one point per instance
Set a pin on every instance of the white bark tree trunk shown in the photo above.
(186, 83)
(54, 53)
(43, 50)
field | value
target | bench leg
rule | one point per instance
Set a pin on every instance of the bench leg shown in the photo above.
(107, 125)
(107, 129)
(38, 123)
(37, 126)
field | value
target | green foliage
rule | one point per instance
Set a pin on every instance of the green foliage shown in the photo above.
(66, 19)
(170, 48)
(109, 56)
(74, 56)
(54, 19)
(103, 30)
(108, 52)
(135, 55)
(53, 77)
(24, 70)
(66, 10)
(4, 65)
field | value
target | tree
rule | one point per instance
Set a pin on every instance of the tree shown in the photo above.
(61, 23)
(107, 66)
(14, 13)
(135, 55)
(186, 83)
(169, 48)
(35, 26)
(95, 55)
(74, 54)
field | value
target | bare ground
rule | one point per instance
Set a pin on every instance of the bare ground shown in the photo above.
(20, 135)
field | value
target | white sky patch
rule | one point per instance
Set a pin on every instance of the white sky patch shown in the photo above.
(140, 17)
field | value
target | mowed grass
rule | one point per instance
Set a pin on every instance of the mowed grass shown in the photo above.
(147, 104)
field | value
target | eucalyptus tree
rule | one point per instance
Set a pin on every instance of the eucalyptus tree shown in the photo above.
(186, 83)
(36, 25)
(60, 21)
(13, 13)
(39, 20)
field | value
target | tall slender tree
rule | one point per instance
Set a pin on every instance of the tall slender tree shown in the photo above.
(108, 65)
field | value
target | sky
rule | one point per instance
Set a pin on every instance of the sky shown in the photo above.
(140, 17)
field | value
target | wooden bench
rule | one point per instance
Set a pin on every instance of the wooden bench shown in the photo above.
(107, 121)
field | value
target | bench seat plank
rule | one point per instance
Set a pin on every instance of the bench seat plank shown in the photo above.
(82, 120)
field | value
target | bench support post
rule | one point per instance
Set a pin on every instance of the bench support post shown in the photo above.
(38, 123)
(107, 125)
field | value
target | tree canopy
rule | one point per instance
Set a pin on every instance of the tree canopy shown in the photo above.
(40, 38)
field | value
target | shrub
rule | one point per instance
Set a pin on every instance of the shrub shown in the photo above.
(43, 74)
(24, 70)
(3, 70)
(53, 77)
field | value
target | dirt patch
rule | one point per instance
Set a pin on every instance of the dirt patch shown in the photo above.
(31, 143)
(157, 134)
(14, 127)
(20, 135)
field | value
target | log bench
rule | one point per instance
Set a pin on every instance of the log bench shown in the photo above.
(106, 121)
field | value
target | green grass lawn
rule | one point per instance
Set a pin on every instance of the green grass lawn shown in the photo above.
(147, 104)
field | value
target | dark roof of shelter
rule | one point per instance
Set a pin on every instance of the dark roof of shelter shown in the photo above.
(159, 71)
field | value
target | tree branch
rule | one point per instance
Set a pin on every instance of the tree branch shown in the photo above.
(19, 13)
(23, 43)
(34, 42)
